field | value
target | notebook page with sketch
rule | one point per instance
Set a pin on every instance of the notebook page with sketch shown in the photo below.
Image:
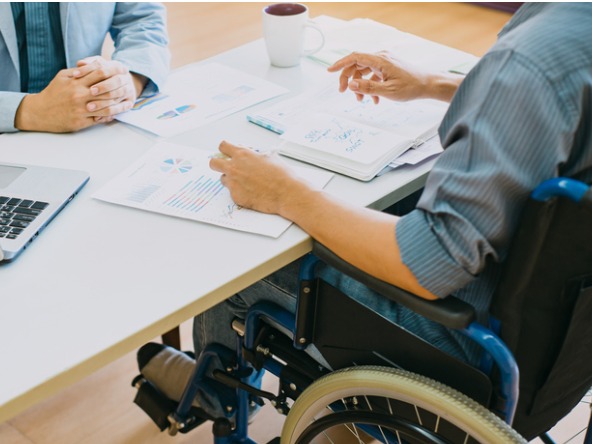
(320, 128)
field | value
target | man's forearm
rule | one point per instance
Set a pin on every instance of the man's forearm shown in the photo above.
(363, 237)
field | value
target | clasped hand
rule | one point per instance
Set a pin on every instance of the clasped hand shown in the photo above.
(93, 92)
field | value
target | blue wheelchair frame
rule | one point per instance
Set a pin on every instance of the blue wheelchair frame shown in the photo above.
(239, 400)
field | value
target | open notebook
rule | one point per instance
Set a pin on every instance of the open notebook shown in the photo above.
(335, 131)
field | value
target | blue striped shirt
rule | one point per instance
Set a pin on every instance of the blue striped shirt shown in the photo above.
(40, 42)
(521, 116)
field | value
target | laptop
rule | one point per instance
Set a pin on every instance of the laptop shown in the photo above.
(30, 197)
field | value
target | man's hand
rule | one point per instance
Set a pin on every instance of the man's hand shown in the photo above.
(59, 108)
(77, 98)
(258, 181)
(116, 89)
(391, 78)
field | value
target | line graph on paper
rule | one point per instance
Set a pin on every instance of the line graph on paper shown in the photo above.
(195, 194)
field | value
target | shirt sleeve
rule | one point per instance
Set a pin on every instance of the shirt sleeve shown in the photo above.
(506, 130)
(9, 103)
(141, 41)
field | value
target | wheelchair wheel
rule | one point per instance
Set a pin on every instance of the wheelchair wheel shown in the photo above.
(387, 405)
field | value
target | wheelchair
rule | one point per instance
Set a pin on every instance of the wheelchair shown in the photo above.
(535, 364)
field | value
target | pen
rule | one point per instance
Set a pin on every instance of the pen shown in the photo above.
(219, 155)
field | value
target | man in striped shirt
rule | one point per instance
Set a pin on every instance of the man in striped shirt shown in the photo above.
(521, 116)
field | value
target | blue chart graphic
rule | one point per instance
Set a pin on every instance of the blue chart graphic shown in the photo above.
(139, 193)
(195, 195)
(176, 166)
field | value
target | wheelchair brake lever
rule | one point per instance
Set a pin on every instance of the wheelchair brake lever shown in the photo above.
(236, 383)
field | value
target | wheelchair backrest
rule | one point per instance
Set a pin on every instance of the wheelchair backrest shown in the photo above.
(544, 304)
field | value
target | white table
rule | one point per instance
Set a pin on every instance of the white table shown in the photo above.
(102, 279)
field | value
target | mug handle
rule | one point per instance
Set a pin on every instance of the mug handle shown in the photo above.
(313, 25)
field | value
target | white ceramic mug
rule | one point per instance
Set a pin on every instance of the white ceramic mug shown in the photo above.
(284, 25)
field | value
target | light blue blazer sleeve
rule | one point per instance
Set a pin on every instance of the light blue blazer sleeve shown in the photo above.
(138, 31)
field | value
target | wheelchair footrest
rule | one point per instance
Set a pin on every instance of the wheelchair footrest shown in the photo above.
(162, 410)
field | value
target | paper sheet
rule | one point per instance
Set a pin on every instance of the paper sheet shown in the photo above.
(198, 95)
(176, 180)
(415, 155)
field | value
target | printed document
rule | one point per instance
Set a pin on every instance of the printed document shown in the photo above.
(176, 180)
(197, 95)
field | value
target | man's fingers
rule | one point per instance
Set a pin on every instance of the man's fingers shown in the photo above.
(96, 72)
(102, 119)
(111, 84)
(362, 86)
(229, 149)
(353, 72)
(359, 59)
(83, 70)
(116, 94)
(88, 65)
(349, 60)
(88, 60)
(98, 105)
(112, 109)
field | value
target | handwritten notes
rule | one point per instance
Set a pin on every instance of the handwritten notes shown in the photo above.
(342, 137)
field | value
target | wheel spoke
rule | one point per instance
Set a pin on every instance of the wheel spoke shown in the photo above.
(383, 435)
(417, 413)
(328, 437)
(356, 434)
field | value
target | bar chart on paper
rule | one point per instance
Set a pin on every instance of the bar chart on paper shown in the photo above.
(195, 194)
(176, 180)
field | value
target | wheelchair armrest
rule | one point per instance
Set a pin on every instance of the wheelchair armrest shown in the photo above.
(450, 311)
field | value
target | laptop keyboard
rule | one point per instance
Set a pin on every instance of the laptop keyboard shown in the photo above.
(16, 215)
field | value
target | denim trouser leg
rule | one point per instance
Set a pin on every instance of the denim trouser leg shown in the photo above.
(214, 325)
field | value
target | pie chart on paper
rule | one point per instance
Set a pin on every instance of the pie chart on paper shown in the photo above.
(176, 166)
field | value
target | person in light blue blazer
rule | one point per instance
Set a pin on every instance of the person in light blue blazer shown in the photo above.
(52, 75)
